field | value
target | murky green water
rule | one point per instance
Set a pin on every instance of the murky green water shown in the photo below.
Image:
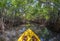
(13, 33)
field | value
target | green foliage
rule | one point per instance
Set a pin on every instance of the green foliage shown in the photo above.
(3, 3)
(31, 8)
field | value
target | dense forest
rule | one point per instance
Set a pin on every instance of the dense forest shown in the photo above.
(19, 15)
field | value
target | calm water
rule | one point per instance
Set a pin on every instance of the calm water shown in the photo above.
(13, 33)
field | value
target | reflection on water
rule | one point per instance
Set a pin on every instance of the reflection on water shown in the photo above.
(14, 33)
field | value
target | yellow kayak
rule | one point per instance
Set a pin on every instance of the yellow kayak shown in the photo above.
(28, 35)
